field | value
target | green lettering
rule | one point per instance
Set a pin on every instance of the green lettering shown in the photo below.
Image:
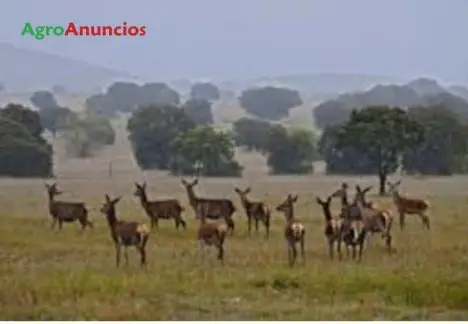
(27, 29)
(58, 30)
(40, 32)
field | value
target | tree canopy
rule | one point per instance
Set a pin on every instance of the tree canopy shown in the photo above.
(269, 102)
(215, 151)
(205, 91)
(252, 133)
(199, 110)
(152, 129)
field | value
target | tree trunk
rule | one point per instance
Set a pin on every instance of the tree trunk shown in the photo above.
(382, 182)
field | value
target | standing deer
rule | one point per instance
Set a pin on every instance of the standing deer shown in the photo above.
(211, 207)
(66, 212)
(160, 209)
(411, 206)
(210, 233)
(374, 220)
(255, 210)
(333, 227)
(125, 233)
(294, 231)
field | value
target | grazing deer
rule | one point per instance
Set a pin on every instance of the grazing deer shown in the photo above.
(212, 207)
(333, 227)
(294, 231)
(160, 209)
(66, 212)
(410, 206)
(210, 233)
(256, 210)
(125, 233)
(375, 220)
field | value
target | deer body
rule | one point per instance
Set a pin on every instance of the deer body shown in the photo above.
(255, 210)
(125, 233)
(160, 209)
(210, 208)
(294, 231)
(410, 206)
(66, 212)
(211, 234)
(333, 228)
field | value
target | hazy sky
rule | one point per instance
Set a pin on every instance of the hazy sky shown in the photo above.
(243, 38)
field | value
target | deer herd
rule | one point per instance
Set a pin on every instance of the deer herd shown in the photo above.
(356, 222)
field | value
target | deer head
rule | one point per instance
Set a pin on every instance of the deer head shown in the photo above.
(52, 190)
(108, 207)
(393, 187)
(287, 206)
(140, 190)
(243, 193)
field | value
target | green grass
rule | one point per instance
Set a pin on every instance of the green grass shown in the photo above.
(49, 275)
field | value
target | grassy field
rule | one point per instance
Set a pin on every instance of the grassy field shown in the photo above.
(64, 275)
(52, 275)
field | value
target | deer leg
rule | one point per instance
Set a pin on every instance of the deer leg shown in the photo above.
(54, 222)
(361, 247)
(294, 254)
(354, 251)
(388, 242)
(267, 228)
(302, 243)
(338, 247)
(156, 222)
(182, 222)
(117, 254)
(221, 253)
(402, 219)
(330, 247)
(425, 220)
(230, 224)
(202, 249)
(60, 224)
(249, 224)
(126, 255)
(152, 222)
(256, 225)
(142, 252)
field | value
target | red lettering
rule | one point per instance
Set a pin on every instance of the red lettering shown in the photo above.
(71, 29)
(107, 31)
(116, 31)
(133, 31)
(96, 30)
(143, 31)
(84, 29)
(125, 28)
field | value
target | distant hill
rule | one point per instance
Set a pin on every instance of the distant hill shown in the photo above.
(28, 70)
(417, 92)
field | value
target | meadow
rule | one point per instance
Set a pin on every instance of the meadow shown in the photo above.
(65, 275)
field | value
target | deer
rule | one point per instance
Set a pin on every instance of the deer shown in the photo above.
(160, 209)
(333, 227)
(66, 212)
(375, 220)
(407, 205)
(294, 231)
(210, 233)
(212, 207)
(124, 233)
(255, 210)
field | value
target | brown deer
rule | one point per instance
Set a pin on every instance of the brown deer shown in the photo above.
(255, 210)
(213, 208)
(333, 227)
(294, 231)
(66, 212)
(411, 206)
(125, 233)
(160, 209)
(210, 233)
(375, 220)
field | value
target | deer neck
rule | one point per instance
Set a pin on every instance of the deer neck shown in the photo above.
(111, 219)
(246, 202)
(144, 199)
(191, 196)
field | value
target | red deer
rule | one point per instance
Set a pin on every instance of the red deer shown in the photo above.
(294, 231)
(255, 210)
(160, 209)
(66, 212)
(411, 206)
(333, 227)
(125, 233)
(375, 220)
(211, 233)
(212, 207)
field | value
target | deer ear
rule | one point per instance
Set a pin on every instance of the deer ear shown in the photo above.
(398, 182)
(248, 189)
(116, 200)
(195, 182)
(107, 197)
(319, 201)
(294, 199)
(144, 184)
(358, 188)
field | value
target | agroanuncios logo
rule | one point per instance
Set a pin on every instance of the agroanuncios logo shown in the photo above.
(72, 29)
